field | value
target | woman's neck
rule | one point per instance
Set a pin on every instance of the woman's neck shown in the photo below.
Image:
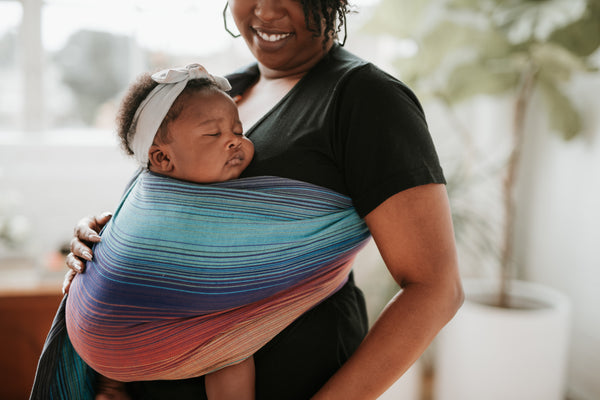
(263, 96)
(295, 73)
(270, 76)
(270, 88)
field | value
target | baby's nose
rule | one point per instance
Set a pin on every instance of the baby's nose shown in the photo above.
(234, 141)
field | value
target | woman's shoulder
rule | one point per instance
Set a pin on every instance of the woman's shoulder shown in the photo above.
(336, 67)
(356, 75)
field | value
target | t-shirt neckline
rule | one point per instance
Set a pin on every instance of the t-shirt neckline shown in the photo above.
(290, 93)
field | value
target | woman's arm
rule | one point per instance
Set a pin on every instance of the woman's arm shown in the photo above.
(414, 234)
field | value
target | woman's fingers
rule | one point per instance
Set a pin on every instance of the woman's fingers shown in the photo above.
(87, 230)
(80, 249)
(102, 219)
(67, 281)
(75, 263)
(86, 233)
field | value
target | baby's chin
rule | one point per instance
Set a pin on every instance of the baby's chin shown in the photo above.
(237, 173)
(236, 168)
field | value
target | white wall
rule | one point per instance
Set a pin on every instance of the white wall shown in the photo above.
(557, 238)
(60, 181)
(559, 229)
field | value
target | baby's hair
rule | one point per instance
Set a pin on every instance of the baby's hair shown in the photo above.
(329, 11)
(136, 94)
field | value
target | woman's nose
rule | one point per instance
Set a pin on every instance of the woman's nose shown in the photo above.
(269, 10)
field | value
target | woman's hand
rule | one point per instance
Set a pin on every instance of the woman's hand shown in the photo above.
(86, 234)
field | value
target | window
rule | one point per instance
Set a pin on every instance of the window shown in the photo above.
(65, 63)
(10, 82)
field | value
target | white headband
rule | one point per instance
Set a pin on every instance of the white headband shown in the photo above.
(156, 105)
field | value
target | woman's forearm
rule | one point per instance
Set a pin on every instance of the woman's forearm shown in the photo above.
(414, 235)
(397, 339)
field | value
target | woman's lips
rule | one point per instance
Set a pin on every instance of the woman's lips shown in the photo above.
(271, 40)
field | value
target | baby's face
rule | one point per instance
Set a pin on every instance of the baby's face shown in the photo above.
(207, 142)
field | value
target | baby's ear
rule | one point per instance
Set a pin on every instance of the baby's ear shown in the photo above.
(159, 158)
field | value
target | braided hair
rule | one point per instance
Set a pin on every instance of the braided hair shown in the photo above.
(329, 12)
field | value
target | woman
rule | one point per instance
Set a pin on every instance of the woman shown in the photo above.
(319, 114)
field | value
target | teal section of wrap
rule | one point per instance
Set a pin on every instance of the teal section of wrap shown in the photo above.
(61, 373)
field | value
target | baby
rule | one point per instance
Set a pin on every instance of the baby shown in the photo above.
(180, 123)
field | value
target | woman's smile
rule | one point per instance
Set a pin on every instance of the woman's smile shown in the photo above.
(270, 40)
(271, 36)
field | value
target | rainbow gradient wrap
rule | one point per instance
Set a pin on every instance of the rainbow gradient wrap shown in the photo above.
(190, 278)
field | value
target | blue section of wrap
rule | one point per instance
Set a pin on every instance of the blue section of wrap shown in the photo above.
(226, 244)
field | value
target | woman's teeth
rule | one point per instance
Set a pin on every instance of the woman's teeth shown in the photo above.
(272, 37)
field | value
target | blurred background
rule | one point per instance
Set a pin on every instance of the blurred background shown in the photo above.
(510, 90)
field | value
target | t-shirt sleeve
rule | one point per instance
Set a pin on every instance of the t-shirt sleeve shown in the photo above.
(384, 145)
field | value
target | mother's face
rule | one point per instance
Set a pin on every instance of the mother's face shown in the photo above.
(276, 34)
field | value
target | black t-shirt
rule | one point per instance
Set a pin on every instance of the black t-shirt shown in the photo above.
(350, 127)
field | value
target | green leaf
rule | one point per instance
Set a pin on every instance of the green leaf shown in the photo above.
(434, 48)
(449, 38)
(477, 6)
(563, 117)
(401, 18)
(557, 62)
(411, 71)
(467, 81)
(469, 4)
(582, 36)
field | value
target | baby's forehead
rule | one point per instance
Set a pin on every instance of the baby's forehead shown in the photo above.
(200, 88)
(205, 102)
(197, 93)
(203, 92)
(208, 93)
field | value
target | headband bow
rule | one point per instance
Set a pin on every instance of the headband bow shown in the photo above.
(156, 105)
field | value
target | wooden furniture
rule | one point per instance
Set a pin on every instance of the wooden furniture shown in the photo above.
(25, 319)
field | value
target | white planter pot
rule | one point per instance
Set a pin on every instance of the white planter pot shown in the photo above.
(408, 387)
(489, 353)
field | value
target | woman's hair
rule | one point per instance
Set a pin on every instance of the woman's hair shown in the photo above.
(136, 94)
(328, 11)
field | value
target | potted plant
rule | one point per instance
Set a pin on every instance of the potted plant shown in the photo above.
(525, 51)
